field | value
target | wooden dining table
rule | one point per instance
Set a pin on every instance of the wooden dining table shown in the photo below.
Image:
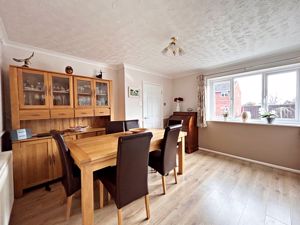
(94, 153)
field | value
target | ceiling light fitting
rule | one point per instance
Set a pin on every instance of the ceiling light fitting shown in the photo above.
(173, 48)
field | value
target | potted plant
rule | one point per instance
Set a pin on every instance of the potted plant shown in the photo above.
(178, 100)
(269, 115)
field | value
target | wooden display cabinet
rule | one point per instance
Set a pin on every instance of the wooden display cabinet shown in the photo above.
(33, 89)
(102, 98)
(83, 89)
(39, 162)
(36, 162)
(45, 100)
(83, 92)
(61, 96)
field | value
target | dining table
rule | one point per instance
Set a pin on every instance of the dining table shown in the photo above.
(95, 153)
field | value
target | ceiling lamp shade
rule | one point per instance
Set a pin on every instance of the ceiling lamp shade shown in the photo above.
(173, 48)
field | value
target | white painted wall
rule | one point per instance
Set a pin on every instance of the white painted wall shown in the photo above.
(135, 78)
(121, 95)
(57, 62)
(186, 87)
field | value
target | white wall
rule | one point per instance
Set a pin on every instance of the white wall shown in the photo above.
(186, 87)
(57, 62)
(135, 78)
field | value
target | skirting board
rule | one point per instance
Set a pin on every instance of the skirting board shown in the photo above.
(251, 160)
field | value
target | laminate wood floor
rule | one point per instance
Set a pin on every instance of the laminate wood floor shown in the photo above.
(215, 190)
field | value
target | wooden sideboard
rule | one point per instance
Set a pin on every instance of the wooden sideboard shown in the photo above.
(190, 126)
(44, 100)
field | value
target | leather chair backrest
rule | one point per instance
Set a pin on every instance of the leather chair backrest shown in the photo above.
(130, 124)
(67, 162)
(132, 168)
(169, 147)
(174, 122)
(115, 127)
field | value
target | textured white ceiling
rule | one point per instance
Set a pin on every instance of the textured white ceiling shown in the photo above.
(212, 32)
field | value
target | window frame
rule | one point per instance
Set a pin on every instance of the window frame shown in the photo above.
(265, 73)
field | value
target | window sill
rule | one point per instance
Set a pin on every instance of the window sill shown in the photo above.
(262, 123)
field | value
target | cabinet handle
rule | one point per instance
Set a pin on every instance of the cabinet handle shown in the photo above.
(53, 159)
(61, 114)
(50, 160)
(83, 113)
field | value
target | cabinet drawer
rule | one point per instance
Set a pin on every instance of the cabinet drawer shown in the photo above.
(84, 112)
(34, 114)
(62, 113)
(100, 133)
(70, 138)
(102, 112)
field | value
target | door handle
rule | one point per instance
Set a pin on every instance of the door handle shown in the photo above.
(145, 118)
(50, 160)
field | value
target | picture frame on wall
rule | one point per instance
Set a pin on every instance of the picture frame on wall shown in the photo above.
(134, 92)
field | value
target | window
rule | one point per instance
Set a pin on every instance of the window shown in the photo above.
(248, 95)
(281, 94)
(272, 90)
(221, 98)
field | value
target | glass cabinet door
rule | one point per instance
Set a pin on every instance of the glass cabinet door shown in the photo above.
(83, 92)
(102, 94)
(61, 91)
(33, 91)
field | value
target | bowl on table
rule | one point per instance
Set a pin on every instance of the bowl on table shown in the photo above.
(78, 129)
(138, 130)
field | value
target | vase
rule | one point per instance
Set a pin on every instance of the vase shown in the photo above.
(270, 120)
(245, 116)
(177, 106)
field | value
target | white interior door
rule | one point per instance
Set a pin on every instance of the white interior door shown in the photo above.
(152, 106)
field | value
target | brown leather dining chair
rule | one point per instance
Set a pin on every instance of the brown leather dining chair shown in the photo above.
(128, 180)
(130, 124)
(115, 127)
(164, 160)
(71, 173)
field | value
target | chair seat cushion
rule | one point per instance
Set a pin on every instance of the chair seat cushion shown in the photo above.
(155, 161)
(108, 177)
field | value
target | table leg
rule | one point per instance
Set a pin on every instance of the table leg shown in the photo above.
(181, 155)
(87, 195)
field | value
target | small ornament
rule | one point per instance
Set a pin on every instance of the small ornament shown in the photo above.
(245, 116)
(26, 61)
(178, 100)
(99, 75)
(69, 70)
(225, 113)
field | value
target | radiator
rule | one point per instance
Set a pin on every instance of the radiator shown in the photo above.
(6, 187)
